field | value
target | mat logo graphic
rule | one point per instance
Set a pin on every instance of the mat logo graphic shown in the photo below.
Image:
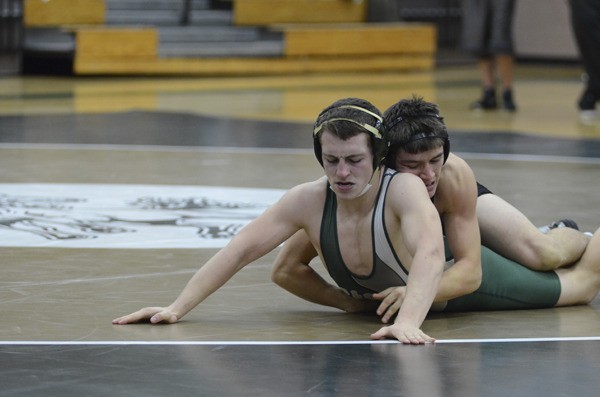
(126, 216)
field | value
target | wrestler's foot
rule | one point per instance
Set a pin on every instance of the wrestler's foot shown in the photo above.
(562, 223)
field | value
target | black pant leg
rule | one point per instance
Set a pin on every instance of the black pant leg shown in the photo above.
(585, 21)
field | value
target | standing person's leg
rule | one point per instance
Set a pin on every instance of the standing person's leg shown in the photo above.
(505, 64)
(475, 36)
(505, 67)
(501, 44)
(585, 22)
(486, 73)
(488, 81)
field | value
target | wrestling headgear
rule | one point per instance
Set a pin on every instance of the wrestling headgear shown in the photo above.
(414, 126)
(359, 112)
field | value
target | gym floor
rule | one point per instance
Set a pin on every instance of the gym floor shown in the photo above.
(113, 191)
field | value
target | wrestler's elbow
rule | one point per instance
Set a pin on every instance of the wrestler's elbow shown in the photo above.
(469, 274)
(473, 279)
(283, 271)
(279, 276)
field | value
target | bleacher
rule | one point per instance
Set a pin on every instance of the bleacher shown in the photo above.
(220, 37)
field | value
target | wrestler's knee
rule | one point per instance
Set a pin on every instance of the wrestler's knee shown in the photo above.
(543, 255)
(549, 258)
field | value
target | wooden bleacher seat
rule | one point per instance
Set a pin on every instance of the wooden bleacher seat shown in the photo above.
(298, 36)
(270, 12)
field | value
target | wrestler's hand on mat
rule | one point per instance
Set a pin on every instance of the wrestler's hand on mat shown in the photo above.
(404, 333)
(391, 300)
(154, 315)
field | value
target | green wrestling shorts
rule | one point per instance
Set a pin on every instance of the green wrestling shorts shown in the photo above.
(506, 285)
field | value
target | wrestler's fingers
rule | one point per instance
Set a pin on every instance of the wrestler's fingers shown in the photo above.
(382, 308)
(391, 311)
(415, 339)
(383, 294)
(424, 338)
(382, 333)
(406, 336)
(387, 332)
(390, 305)
(387, 297)
(144, 314)
(164, 317)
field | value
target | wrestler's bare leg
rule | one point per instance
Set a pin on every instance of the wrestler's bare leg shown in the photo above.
(580, 283)
(507, 231)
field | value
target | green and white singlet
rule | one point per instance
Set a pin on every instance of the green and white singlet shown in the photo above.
(506, 285)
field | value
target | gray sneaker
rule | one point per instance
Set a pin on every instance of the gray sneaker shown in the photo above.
(562, 223)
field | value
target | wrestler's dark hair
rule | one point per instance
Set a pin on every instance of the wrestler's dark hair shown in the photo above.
(415, 126)
(347, 118)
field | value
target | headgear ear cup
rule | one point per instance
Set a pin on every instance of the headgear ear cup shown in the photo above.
(446, 150)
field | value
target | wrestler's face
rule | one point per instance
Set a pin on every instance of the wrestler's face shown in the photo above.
(348, 163)
(426, 165)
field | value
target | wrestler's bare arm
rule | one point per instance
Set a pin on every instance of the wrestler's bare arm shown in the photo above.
(292, 272)
(422, 239)
(259, 237)
(456, 199)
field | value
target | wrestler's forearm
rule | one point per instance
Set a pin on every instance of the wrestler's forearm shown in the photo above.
(304, 282)
(461, 279)
(209, 278)
(421, 288)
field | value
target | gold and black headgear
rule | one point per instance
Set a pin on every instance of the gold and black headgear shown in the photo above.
(358, 112)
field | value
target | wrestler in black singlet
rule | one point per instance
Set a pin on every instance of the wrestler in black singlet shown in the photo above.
(506, 285)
